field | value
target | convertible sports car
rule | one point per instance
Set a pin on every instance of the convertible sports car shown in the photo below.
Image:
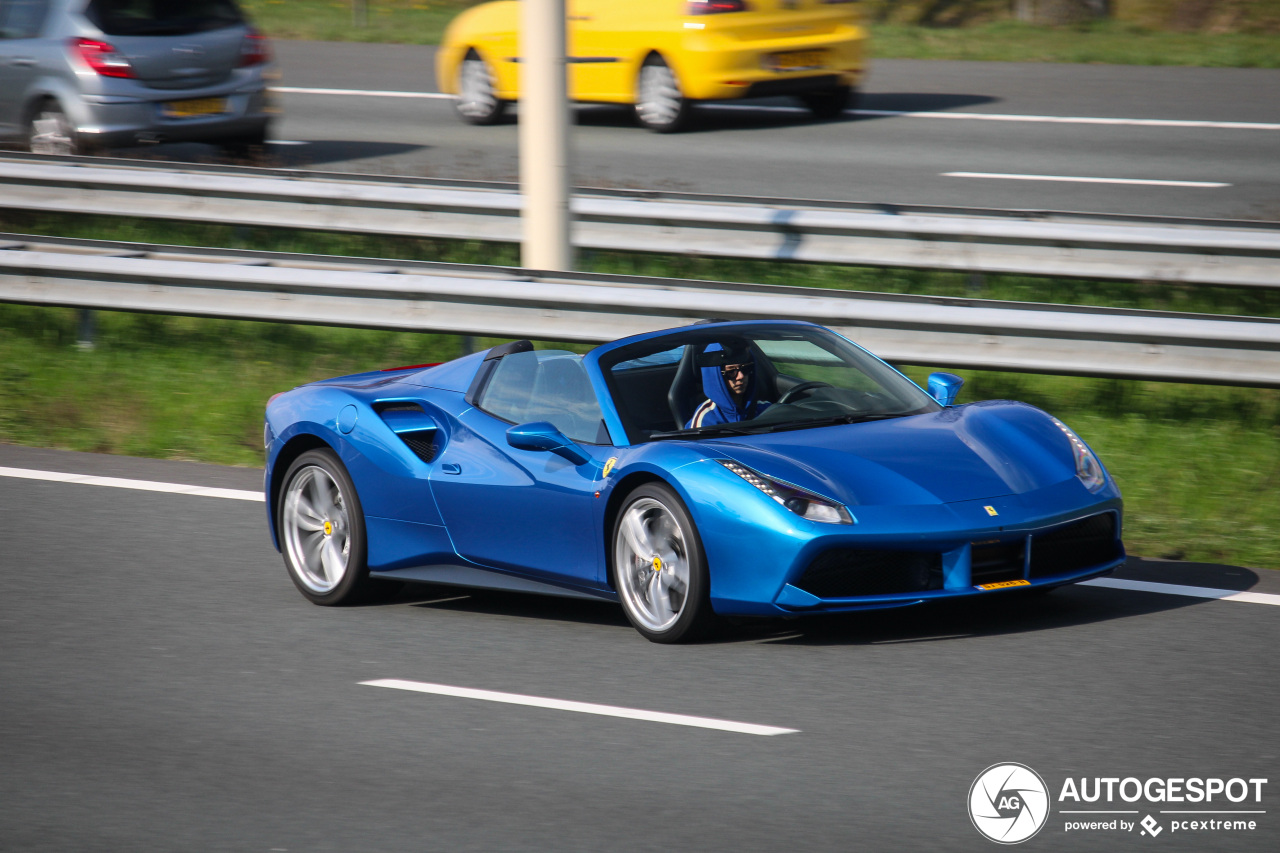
(756, 468)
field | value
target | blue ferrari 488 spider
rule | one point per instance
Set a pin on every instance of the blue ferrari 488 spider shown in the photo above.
(755, 468)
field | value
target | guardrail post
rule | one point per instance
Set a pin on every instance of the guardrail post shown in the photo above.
(88, 328)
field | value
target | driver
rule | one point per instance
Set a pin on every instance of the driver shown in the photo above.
(730, 388)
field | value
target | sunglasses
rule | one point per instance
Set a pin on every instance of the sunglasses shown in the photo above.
(731, 369)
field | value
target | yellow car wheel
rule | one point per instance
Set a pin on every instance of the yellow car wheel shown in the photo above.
(660, 106)
(830, 104)
(477, 101)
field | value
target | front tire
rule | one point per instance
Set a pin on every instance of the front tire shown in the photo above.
(660, 106)
(478, 102)
(659, 568)
(322, 531)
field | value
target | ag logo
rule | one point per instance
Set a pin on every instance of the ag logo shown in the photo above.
(1008, 803)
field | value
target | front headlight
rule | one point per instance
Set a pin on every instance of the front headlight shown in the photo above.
(1088, 468)
(802, 503)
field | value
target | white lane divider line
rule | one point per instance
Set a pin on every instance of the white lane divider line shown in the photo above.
(1193, 591)
(580, 707)
(1145, 182)
(1122, 122)
(140, 485)
(295, 90)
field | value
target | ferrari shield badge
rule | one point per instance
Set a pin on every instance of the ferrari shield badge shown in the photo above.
(608, 466)
(991, 510)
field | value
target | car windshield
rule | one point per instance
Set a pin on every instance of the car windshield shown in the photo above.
(162, 17)
(748, 379)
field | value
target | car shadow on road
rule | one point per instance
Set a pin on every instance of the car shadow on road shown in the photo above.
(279, 155)
(1012, 612)
(515, 604)
(784, 112)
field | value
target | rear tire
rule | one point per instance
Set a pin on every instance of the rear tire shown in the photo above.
(322, 532)
(246, 146)
(50, 131)
(478, 102)
(660, 106)
(828, 105)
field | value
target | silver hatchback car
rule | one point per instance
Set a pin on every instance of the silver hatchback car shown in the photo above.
(81, 75)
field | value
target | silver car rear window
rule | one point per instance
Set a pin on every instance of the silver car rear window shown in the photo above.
(162, 17)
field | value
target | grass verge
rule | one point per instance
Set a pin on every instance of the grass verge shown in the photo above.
(1199, 465)
(988, 36)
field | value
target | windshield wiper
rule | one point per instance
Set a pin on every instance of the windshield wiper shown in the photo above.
(702, 432)
(831, 421)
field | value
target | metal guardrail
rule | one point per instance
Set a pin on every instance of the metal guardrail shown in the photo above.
(1159, 249)
(591, 308)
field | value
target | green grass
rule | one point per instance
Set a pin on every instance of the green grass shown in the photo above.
(1243, 36)
(1108, 42)
(389, 21)
(1199, 465)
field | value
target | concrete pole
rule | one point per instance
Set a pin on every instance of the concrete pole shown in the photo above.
(544, 136)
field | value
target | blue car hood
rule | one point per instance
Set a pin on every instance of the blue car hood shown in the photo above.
(982, 450)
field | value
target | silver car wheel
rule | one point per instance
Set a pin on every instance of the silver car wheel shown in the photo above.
(651, 558)
(52, 133)
(477, 101)
(658, 100)
(317, 529)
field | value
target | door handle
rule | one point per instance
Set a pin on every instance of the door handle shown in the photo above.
(22, 61)
(450, 468)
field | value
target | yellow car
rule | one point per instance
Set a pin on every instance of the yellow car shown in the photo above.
(663, 56)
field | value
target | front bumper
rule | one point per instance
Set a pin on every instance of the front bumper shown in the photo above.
(903, 555)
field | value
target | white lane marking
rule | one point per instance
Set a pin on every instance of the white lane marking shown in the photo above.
(242, 495)
(140, 485)
(580, 707)
(1146, 182)
(295, 90)
(1124, 122)
(1193, 591)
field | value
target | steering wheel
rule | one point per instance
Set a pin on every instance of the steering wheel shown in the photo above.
(796, 390)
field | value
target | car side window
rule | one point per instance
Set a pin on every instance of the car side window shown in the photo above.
(546, 385)
(22, 19)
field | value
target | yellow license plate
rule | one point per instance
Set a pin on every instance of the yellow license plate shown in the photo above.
(1003, 584)
(796, 60)
(195, 107)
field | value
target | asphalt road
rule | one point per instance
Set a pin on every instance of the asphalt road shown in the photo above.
(164, 687)
(772, 149)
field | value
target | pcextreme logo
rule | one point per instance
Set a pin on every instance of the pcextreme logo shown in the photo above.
(1010, 803)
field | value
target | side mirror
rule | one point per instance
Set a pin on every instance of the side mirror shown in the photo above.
(541, 435)
(944, 387)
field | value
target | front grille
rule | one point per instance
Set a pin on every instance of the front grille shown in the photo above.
(993, 562)
(422, 442)
(850, 572)
(1079, 545)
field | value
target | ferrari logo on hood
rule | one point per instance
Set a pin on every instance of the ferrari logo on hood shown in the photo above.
(991, 510)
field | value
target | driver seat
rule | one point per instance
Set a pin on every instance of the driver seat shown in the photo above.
(685, 394)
